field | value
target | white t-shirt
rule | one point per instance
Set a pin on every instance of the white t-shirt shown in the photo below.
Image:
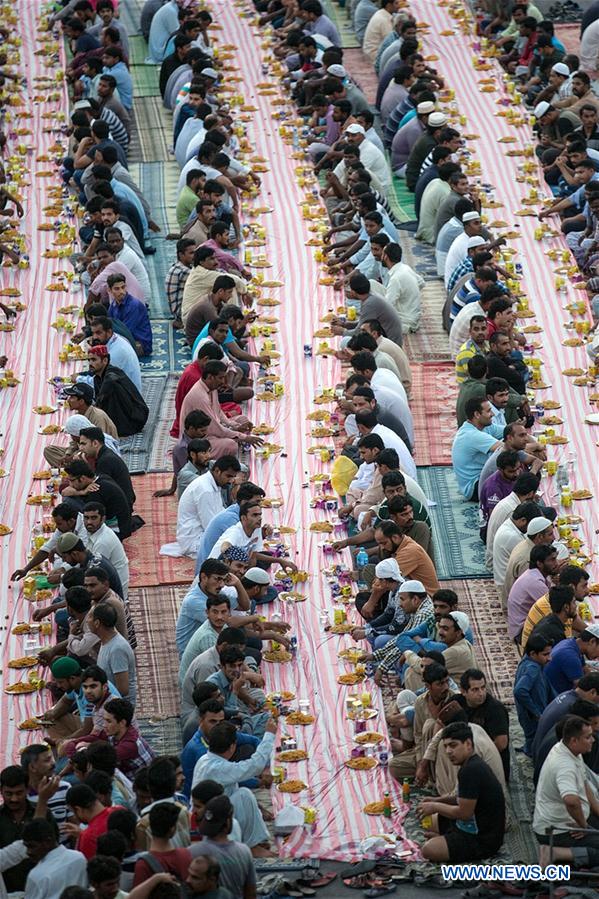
(236, 536)
(394, 441)
(562, 774)
(506, 538)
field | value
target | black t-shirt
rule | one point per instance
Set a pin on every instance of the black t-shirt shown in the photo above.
(115, 502)
(492, 716)
(477, 781)
(552, 628)
(110, 464)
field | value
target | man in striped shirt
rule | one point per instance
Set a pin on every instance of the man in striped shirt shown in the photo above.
(38, 763)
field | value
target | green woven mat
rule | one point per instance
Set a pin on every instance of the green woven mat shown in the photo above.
(145, 81)
(404, 199)
(152, 136)
(138, 50)
(158, 182)
(343, 23)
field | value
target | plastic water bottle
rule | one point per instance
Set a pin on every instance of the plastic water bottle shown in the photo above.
(295, 140)
(562, 478)
(361, 562)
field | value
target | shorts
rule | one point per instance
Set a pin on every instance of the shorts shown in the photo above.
(465, 847)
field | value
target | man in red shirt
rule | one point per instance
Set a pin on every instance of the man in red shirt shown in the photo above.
(88, 810)
(161, 856)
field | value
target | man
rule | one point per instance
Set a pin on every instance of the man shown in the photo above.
(586, 689)
(458, 654)
(39, 766)
(471, 825)
(413, 561)
(132, 311)
(16, 812)
(529, 587)
(515, 437)
(115, 655)
(499, 364)
(213, 577)
(132, 750)
(208, 714)
(373, 160)
(567, 663)
(565, 800)
(472, 445)
(176, 277)
(379, 27)
(532, 690)
(539, 532)
(117, 394)
(219, 241)
(483, 709)
(55, 866)
(234, 858)
(207, 308)
(207, 663)
(216, 765)
(65, 520)
(114, 65)
(199, 504)
(372, 306)
(476, 345)
(101, 540)
(402, 288)
(427, 707)
(461, 324)
(541, 614)
(84, 484)
(201, 279)
(121, 351)
(242, 491)
(88, 810)
(525, 490)
(225, 434)
(125, 255)
(95, 692)
(235, 681)
(497, 486)
(507, 536)
(93, 446)
(203, 879)
(182, 45)
(416, 610)
(376, 330)
(80, 397)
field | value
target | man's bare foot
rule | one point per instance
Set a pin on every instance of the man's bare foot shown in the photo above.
(544, 856)
(153, 226)
(165, 492)
(262, 851)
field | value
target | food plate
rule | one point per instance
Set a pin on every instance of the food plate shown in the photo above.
(369, 738)
(361, 763)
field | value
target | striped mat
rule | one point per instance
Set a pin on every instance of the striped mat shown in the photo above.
(137, 455)
(160, 456)
(434, 390)
(152, 136)
(171, 351)
(430, 343)
(459, 551)
(148, 568)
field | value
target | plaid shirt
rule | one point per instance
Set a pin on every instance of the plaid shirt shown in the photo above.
(176, 277)
(388, 656)
(459, 271)
(132, 751)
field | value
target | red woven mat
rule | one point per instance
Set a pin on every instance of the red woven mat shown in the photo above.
(434, 389)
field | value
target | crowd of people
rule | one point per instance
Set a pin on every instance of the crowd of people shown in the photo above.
(95, 809)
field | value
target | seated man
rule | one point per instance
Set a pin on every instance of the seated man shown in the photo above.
(132, 750)
(532, 690)
(484, 709)
(471, 825)
(566, 800)
(472, 444)
(116, 394)
(213, 580)
(237, 683)
(458, 654)
(217, 765)
(132, 311)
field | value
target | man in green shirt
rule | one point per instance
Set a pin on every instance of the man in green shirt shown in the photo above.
(475, 387)
(189, 196)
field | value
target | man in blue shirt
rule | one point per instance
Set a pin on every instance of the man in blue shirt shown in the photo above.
(114, 65)
(474, 442)
(211, 582)
(211, 714)
(567, 663)
(132, 312)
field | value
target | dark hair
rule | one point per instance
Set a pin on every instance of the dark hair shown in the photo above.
(572, 575)
(221, 737)
(213, 566)
(541, 554)
(31, 754)
(81, 796)
(469, 675)
(95, 506)
(218, 600)
(458, 730)
(162, 778)
(78, 468)
(112, 843)
(433, 673)
(537, 643)
(230, 654)
(445, 595)
(101, 868)
(78, 599)
(573, 727)
(65, 511)
(121, 709)
(38, 830)
(206, 790)
(227, 463)
(94, 672)
(163, 817)
(122, 821)
(100, 782)
(203, 691)
(13, 776)
(213, 706)
(389, 458)
(102, 756)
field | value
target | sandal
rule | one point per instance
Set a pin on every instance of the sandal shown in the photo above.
(364, 867)
(380, 891)
(360, 882)
(321, 880)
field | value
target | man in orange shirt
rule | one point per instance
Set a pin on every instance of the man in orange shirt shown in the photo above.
(414, 563)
